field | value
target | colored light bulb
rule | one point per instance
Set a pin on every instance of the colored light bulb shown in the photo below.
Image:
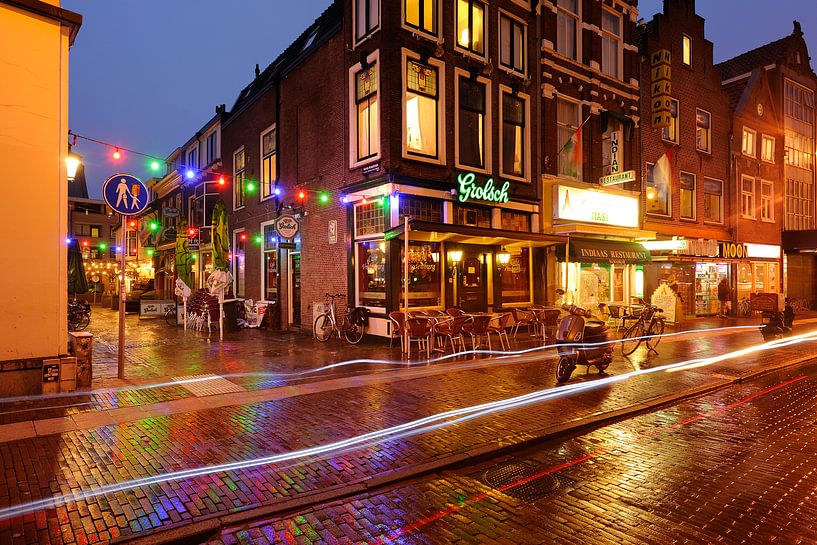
(68, 241)
(154, 226)
(154, 166)
(250, 187)
(150, 251)
(116, 154)
(258, 239)
(190, 174)
(221, 180)
(301, 195)
(324, 198)
(102, 246)
(277, 191)
(243, 236)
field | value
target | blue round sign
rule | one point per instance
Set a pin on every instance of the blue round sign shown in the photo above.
(125, 194)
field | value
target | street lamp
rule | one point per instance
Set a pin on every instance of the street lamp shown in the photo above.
(72, 162)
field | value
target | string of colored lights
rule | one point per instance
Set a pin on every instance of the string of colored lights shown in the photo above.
(429, 423)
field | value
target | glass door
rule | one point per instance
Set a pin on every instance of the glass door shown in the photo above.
(295, 289)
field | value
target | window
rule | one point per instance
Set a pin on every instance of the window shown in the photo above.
(515, 221)
(472, 130)
(421, 109)
(513, 135)
(749, 142)
(372, 273)
(471, 26)
(610, 43)
(193, 159)
(799, 150)
(421, 209)
(766, 200)
(747, 197)
(687, 50)
(368, 120)
(670, 134)
(767, 148)
(238, 179)
(799, 102)
(511, 43)
(95, 231)
(687, 195)
(269, 162)
(658, 194)
(567, 24)
(367, 13)
(476, 216)
(515, 276)
(424, 274)
(567, 114)
(798, 204)
(239, 263)
(422, 15)
(270, 273)
(370, 219)
(212, 151)
(713, 200)
(703, 130)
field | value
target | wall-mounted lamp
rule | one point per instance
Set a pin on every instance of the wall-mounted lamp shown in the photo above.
(435, 257)
(503, 257)
(455, 256)
(72, 161)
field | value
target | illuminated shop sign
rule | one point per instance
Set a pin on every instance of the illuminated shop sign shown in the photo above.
(618, 178)
(769, 251)
(588, 206)
(733, 250)
(470, 190)
(699, 247)
(661, 88)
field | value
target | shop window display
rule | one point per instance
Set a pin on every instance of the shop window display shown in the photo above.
(425, 283)
(681, 278)
(515, 276)
(372, 273)
(707, 278)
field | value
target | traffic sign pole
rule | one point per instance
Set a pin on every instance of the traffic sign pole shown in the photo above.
(120, 370)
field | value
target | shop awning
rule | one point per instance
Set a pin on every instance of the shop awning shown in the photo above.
(585, 250)
(800, 241)
(466, 234)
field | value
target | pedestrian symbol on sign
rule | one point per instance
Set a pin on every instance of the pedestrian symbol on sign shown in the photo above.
(125, 194)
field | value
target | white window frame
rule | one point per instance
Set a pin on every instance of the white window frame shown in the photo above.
(708, 148)
(373, 58)
(694, 216)
(436, 37)
(526, 135)
(369, 33)
(485, 27)
(214, 135)
(677, 139)
(235, 184)
(721, 200)
(263, 263)
(234, 262)
(261, 181)
(746, 196)
(619, 50)
(408, 55)
(488, 132)
(686, 48)
(747, 130)
(763, 139)
(577, 18)
(770, 199)
(521, 22)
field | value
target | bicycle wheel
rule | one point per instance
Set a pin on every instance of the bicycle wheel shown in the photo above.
(654, 334)
(170, 317)
(81, 321)
(632, 338)
(323, 327)
(354, 332)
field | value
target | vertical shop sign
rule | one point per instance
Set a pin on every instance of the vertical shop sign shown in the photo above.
(333, 231)
(661, 88)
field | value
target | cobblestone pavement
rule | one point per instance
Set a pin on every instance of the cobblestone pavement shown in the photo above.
(734, 467)
(83, 460)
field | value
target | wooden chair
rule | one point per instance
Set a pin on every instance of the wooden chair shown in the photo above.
(454, 311)
(499, 327)
(452, 329)
(398, 322)
(521, 317)
(419, 329)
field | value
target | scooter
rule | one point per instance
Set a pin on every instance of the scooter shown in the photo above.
(582, 340)
(774, 326)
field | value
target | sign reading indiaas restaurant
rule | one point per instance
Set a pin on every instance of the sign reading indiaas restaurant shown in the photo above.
(575, 204)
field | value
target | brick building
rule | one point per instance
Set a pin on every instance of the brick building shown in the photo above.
(792, 83)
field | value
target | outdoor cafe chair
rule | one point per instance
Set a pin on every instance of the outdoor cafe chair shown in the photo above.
(454, 311)
(520, 318)
(419, 329)
(500, 329)
(549, 321)
(398, 322)
(479, 330)
(452, 329)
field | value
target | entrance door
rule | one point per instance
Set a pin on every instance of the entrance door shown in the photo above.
(295, 289)
(472, 292)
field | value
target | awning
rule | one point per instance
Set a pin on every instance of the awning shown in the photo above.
(465, 234)
(585, 250)
(800, 241)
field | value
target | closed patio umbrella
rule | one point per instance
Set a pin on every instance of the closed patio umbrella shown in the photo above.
(77, 283)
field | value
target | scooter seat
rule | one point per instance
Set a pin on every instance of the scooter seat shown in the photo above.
(595, 329)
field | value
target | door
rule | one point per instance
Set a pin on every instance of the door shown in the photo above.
(472, 292)
(295, 289)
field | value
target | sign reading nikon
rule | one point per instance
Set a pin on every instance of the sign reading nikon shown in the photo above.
(661, 88)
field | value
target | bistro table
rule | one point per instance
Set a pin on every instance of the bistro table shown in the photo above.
(540, 317)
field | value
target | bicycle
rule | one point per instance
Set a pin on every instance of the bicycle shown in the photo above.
(171, 316)
(744, 308)
(352, 328)
(799, 305)
(79, 315)
(648, 327)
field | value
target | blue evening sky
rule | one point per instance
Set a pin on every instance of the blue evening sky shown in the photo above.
(146, 74)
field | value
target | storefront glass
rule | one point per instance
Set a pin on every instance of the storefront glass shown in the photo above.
(372, 273)
(515, 276)
(424, 274)
(707, 278)
(681, 277)
(270, 272)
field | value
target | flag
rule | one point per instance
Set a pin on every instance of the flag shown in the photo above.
(570, 163)
(657, 200)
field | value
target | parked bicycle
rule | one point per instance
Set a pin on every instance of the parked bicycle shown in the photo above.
(799, 305)
(172, 316)
(79, 315)
(352, 327)
(744, 307)
(647, 327)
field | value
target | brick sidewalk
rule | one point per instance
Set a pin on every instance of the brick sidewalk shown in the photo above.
(90, 457)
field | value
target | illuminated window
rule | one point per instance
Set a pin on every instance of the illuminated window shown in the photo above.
(713, 200)
(368, 122)
(767, 148)
(513, 135)
(703, 130)
(567, 122)
(421, 109)
(367, 14)
(270, 274)
(515, 276)
(372, 273)
(610, 43)
(239, 197)
(471, 25)
(422, 15)
(511, 43)
(269, 162)
(687, 50)
(658, 194)
(766, 200)
(471, 137)
(239, 263)
(748, 146)
(670, 134)
(687, 195)
(567, 24)
(747, 197)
